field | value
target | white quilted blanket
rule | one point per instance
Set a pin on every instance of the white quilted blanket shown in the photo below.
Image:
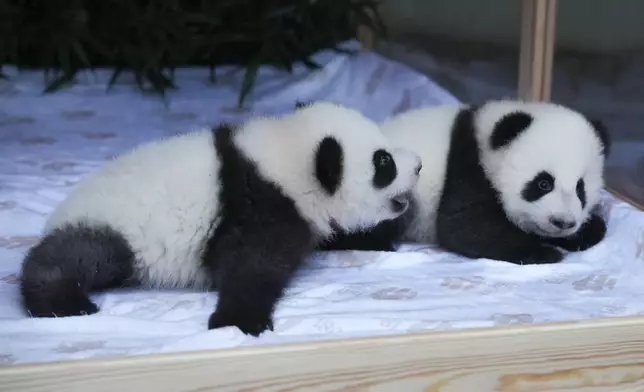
(48, 142)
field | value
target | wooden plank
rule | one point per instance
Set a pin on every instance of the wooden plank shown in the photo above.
(536, 49)
(366, 37)
(525, 50)
(624, 197)
(605, 355)
(548, 49)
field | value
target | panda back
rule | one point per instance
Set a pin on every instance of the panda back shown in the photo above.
(427, 131)
(162, 197)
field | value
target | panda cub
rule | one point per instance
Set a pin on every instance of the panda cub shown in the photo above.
(507, 180)
(234, 209)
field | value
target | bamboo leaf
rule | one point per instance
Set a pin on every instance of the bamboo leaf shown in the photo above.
(64, 61)
(151, 37)
(80, 52)
(249, 80)
(62, 80)
(201, 18)
(344, 51)
(311, 64)
(212, 75)
(115, 75)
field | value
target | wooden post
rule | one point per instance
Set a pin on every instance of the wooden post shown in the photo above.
(366, 37)
(537, 48)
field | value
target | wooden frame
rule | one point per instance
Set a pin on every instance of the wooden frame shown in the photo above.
(537, 49)
(538, 28)
(602, 355)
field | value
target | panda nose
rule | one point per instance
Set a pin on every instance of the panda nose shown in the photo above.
(562, 223)
(418, 168)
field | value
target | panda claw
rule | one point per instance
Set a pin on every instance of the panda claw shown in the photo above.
(248, 323)
(71, 307)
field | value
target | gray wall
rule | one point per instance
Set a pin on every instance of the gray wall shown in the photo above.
(586, 25)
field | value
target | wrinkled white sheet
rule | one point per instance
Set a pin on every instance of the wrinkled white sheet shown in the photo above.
(48, 142)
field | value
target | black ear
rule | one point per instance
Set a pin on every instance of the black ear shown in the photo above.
(508, 128)
(329, 164)
(602, 133)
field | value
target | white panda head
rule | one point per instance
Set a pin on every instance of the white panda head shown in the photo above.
(546, 162)
(337, 166)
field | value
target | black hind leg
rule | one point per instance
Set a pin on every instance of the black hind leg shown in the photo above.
(67, 264)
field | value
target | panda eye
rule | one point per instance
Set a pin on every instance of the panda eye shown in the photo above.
(545, 185)
(384, 160)
(539, 186)
(385, 169)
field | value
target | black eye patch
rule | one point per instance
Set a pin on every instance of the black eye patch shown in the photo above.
(581, 192)
(329, 164)
(384, 169)
(542, 184)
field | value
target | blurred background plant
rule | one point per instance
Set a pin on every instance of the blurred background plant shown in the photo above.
(152, 38)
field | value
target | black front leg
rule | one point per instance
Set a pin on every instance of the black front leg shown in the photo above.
(511, 245)
(379, 238)
(247, 300)
(382, 237)
(260, 239)
(483, 231)
(251, 275)
(588, 235)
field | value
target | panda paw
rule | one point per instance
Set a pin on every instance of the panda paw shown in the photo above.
(387, 246)
(59, 304)
(590, 234)
(250, 323)
(544, 254)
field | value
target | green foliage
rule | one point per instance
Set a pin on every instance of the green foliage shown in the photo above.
(152, 38)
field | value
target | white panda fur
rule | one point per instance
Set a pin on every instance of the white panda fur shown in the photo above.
(550, 138)
(428, 130)
(157, 215)
(130, 192)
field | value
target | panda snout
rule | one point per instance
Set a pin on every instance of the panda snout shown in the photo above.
(399, 204)
(417, 163)
(409, 161)
(562, 223)
(418, 168)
